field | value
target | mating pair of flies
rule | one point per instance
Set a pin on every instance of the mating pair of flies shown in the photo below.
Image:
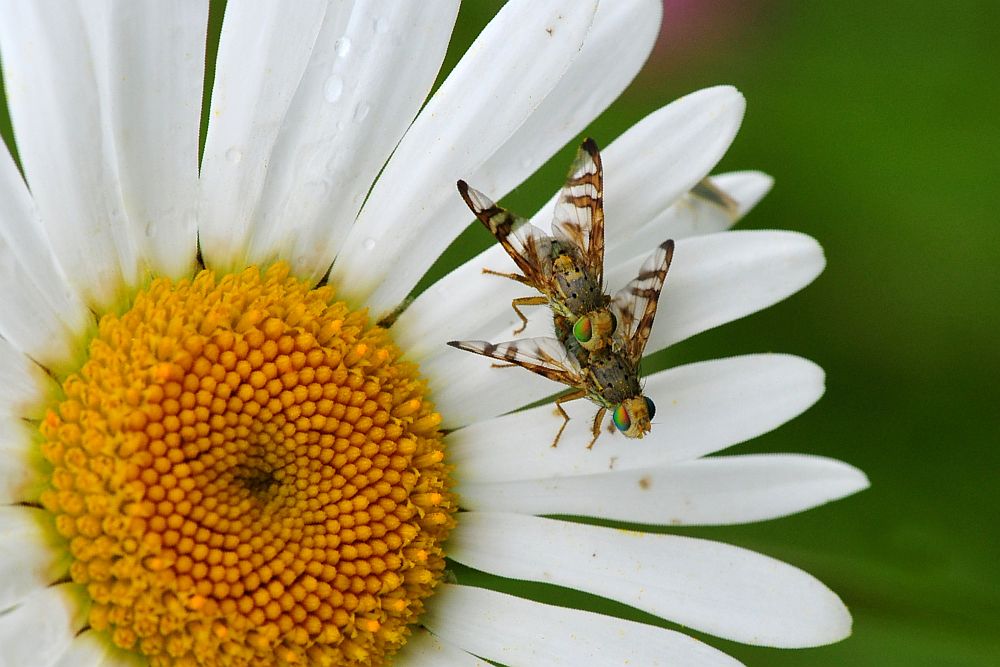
(599, 338)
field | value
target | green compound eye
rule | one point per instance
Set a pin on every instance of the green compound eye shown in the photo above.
(621, 419)
(650, 408)
(583, 331)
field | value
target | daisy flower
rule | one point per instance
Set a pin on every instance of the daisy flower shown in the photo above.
(211, 453)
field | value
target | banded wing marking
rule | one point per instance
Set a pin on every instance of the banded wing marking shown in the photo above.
(526, 244)
(545, 356)
(579, 212)
(636, 302)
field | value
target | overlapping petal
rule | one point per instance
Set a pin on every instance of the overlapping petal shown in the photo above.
(41, 315)
(21, 466)
(425, 650)
(30, 554)
(105, 103)
(40, 629)
(413, 212)
(716, 588)
(708, 492)
(363, 76)
(516, 631)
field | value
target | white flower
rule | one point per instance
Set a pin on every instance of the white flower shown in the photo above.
(310, 101)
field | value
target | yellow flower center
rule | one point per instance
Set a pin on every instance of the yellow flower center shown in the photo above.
(247, 474)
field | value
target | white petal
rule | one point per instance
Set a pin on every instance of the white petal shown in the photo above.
(707, 492)
(372, 67)
(713, 279)
(516, 631)
(32, 555)
(645, 170)
(25, 389)
(700, 408)
(423, 649)
(40, 314)
(40, 630)
(150, 64)
(413, 211)
(746, 188)
(715, 588)
(21, 465)
(87, 650)
(106, 105)
(264, 49)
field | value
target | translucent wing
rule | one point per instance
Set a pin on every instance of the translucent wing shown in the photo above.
(526, 244)
(636, 302)
(579, 212)
(545, 356)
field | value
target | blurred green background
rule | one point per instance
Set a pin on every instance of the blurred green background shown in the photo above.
(881, 125)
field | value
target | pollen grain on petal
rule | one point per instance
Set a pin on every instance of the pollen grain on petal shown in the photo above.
(247, 473)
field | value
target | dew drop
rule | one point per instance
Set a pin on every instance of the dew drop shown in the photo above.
(526, 163)
(234, 155)
(381, 26)
(333, 88)
(361, 111)
(150, 229)
(369, 244)
(342, 47)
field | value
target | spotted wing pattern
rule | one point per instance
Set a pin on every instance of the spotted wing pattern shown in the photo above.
(526, 244)
(545, 356)
(636, 302)
(579, 211)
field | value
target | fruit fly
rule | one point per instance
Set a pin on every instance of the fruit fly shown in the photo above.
(610, 376)
(566, 266)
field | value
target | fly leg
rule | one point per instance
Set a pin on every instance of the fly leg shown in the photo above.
(526, 301)
(513, 276)
(596, 429)
(572, 396)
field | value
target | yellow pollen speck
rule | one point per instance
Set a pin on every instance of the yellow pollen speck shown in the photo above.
(247, 473)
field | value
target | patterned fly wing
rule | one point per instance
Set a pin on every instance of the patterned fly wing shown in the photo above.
(545, 356)
(579, 211)
(526, 244)
(636, 302)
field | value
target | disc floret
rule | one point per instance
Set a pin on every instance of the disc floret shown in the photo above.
(247, 473)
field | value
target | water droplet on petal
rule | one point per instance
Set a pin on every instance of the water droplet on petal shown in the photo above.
(381, 26)
(361, 111)
(234, 155)
(342, 47)
(150, 230)
(369, 244)
(333, 88)
(526, 163)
